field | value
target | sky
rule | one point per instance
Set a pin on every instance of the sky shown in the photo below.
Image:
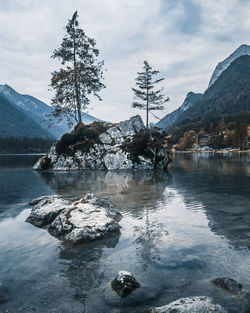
(183, 39)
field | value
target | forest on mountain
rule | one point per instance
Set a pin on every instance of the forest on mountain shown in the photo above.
(221, 104)
(24, 145)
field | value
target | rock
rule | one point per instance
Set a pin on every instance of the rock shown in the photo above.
(189, 305)
(228, 284)
(124, 284)
(46, 209)
(75, 221)
(106, 148)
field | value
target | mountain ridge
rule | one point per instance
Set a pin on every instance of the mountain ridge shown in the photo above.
(14, 123)
(39, 111)
(223, 65)
(172, 117)
(224, 100)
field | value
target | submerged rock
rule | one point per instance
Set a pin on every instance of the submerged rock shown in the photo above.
(75, 221)
(189, 305)
(228, 284)
(124, 283)
(102, 146)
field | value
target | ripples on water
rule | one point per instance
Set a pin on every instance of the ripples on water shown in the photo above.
(180, 229)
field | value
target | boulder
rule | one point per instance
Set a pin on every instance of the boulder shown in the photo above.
(102, 146)
(46, 209)
(75, 221)
(189, 305)
(124, 283)
(228, 284)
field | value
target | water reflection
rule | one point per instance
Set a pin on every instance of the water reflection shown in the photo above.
(148, 236)
(165, 240)
(84, 262)
(222, 186)
(18, 183)
(129, 190)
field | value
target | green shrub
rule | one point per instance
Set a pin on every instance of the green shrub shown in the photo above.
(145, 143)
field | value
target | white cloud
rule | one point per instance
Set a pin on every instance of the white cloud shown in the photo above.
(184, 39)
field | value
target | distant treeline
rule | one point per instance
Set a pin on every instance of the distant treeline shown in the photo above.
(24, 145)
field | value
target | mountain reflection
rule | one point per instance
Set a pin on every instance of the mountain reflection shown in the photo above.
(221, 184)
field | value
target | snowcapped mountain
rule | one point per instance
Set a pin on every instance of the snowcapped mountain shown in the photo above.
(242, 50)
(38, 111)
(171, 118)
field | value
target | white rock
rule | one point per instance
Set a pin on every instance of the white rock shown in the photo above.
(114, 161)
(46, 209)
(126, 128)
(79, 221)
(105, 138)
(137, 123)
(115, 134)
(190, 305)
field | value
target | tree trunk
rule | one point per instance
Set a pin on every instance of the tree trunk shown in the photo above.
(147, 98)
(78, 104)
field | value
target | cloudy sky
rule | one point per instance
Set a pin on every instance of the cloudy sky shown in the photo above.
(184, 39)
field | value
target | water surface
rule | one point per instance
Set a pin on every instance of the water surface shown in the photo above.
(180, 229)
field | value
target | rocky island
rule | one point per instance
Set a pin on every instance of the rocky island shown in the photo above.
(105, 146)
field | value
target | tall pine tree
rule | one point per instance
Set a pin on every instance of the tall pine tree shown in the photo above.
(146, 97)
(81, 75)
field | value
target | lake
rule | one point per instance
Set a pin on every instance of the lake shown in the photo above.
(180, 229)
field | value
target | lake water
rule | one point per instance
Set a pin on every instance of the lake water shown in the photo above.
(180, 229)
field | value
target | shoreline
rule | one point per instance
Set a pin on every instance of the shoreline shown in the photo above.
(214, 151)
(13, 154)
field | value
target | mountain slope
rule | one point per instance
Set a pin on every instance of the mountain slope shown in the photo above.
(172, 117)
(228, 95)
(13, 122)
(222, 66)
(39, 111)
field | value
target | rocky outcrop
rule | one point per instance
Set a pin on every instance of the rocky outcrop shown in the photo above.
(124, 283)
(101, 146)
(189, 305)
(75, 221)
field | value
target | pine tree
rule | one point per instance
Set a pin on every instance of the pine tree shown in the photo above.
(148, 98)
(80, 77)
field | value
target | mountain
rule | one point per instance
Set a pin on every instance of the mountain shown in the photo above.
(13, 122)
(227, 96)
(192, 100)
(172, 117)
(38, 111)
(222, 66)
